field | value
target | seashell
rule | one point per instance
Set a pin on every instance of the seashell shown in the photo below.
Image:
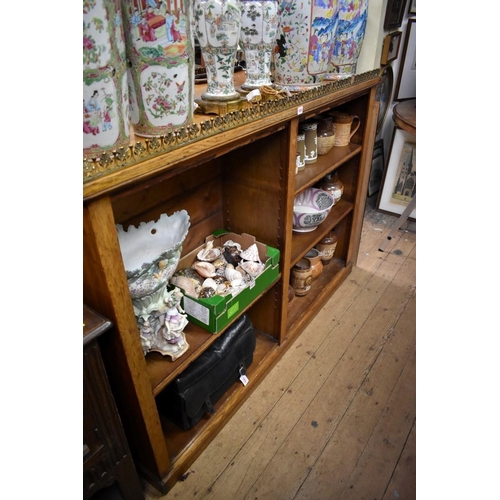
(219, 263)
(205, 269)
(206, 293)
(208, 253)
(233, 244)
(232, 274)
(210, 283)
(251, 254)
(253, 268)
(237, 282)
(190, 286)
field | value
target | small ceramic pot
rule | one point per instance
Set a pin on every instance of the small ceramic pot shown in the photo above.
(314, 257)
(327, 247)
(326, 135)
(301, 277)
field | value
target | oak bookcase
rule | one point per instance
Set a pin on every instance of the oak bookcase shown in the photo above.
(241, 179)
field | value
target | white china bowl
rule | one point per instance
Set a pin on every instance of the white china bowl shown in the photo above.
(310, 209)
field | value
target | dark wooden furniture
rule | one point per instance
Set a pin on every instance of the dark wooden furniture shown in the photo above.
(241, 179)
(106, 456)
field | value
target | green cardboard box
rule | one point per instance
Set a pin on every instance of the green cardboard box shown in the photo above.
(215, 313)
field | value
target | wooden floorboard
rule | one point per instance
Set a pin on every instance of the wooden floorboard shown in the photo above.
(335, 418)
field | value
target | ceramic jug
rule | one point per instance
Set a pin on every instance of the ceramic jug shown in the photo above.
(345, 127)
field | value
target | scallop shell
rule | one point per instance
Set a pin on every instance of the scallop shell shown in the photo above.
(251, 254)
(205, 269)
(208, 253)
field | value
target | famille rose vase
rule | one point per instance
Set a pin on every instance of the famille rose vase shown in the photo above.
(259, 22)
(160, 52)
(306, 36)
(351, 29)
(105, 89)
(217, 25)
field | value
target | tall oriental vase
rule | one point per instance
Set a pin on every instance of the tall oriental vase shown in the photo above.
(105, 90)
(217, 25)
(160, 52)
(259, 22)
(306, 35)
(349, 38)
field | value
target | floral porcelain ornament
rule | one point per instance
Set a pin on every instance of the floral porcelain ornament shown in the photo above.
(150, 255)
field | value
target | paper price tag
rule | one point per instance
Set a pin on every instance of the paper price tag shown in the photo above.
(244, 379)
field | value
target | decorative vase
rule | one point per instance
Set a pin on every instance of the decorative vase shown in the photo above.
(348, 38)
(160, 52)
(343, 126)
(327, 247)
(105, 90)
(301, 277)
(259, 22)
(332, 185)
(326, 135)
(217, 25)
(306, 32)
(314, 257)
(310, 129)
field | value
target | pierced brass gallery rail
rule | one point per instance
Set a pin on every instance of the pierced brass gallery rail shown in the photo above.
(110, 161)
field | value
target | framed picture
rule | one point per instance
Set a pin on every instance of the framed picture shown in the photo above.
(377, 170)
(406, 87)
(390, 49)
(413, 8)
(384, 94)
(394, 14)
(399, 184)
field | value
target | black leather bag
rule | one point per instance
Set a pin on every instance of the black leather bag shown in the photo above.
(195, 391)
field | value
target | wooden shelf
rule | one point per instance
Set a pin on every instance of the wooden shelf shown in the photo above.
(314, 172)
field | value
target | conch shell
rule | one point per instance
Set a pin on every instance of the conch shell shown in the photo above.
(205, 269)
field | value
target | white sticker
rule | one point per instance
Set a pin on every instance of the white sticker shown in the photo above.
(244, 379)
(201, 313)
(300, 110)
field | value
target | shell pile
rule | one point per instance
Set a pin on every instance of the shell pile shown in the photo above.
(220, 271)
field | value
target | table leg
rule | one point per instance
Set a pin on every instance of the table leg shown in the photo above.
(402, 219)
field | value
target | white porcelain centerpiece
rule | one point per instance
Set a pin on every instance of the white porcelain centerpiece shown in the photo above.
(150, 254)
(306, 34)
(217, 25)
(160, 50)
(259, 22)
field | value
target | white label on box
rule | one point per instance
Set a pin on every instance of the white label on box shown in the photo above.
(201, 313)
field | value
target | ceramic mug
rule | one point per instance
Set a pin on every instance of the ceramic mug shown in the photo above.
(344, 128)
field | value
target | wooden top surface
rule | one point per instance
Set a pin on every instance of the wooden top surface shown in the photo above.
(93, 324)
(404, 115)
